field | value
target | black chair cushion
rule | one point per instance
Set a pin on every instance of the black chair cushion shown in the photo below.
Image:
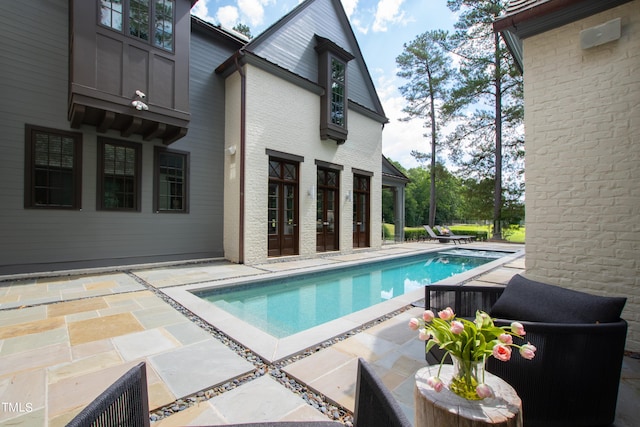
(528, 300)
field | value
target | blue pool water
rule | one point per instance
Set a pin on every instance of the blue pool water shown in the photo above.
(283, 307)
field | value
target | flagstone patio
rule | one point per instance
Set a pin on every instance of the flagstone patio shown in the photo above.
(65, 339)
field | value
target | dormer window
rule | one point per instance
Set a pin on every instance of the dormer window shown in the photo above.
(332, 75)
(338, 91)
(147, 20)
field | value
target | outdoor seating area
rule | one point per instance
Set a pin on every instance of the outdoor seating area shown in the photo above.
(65, 340)
(124, 403)
(580, 339)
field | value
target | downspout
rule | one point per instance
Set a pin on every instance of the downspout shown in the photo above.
(243, 97)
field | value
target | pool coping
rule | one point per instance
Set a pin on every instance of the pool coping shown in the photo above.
(272, 349)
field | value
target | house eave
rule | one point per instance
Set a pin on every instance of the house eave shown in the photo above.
(533, 17)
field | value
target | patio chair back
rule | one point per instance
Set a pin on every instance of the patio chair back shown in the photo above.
(124, 403)
(375, 406)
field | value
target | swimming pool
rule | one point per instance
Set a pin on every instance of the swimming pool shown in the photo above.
(286, 306)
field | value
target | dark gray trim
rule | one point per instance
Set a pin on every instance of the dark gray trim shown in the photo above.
(361, 172)
(545, 16)
(30, 167)
(344, 21)
(284, 156)
(102, 141)
(367, 112)
(243, 57)
(157, 150)
(328, 165)
(540, 17)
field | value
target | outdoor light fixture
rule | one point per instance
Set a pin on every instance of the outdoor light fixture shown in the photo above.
(349, 196)
(138, 101)
(312, 192)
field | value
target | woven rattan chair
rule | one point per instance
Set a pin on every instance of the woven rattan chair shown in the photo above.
(573, 379)
(375, 406)
(124, 403)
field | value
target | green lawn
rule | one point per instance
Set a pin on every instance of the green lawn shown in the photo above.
(514, 233)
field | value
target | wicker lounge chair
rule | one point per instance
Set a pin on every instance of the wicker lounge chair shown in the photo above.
(573, 379)
(125, 404)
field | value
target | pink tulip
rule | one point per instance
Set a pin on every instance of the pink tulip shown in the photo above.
(483, 319)
(502, 352)
(424, 334)
(517, 328)
(446, 314)
(436, 383)
(528, 351)
(457, 327)
(428, 316)
(484, 391)
(414, 324)
(506, 339)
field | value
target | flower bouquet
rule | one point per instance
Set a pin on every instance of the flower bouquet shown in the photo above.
(469, 344)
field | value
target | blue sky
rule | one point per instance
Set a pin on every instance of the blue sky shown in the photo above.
(381, 27)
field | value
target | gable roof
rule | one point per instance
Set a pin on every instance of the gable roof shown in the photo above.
(392, 173)
(289, 43)
(526, 18)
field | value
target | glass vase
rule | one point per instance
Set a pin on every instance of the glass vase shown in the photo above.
(467, 374)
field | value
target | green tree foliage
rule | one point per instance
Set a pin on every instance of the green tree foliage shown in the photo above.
(388, 214)
(243, 29)
(417, 195)
(458, 199)
(488, 81)
(427, 67)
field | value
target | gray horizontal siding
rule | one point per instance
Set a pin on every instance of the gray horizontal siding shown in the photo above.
(292, 47)
(33, 88)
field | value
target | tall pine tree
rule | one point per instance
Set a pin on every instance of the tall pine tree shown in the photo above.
(427, 66)
(488, 83)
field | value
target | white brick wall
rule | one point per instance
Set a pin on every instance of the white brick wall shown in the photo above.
(284, 117)
(582, 116)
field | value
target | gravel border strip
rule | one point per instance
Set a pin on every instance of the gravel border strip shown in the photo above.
(316, 400)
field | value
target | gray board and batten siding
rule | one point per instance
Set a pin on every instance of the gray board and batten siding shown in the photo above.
(34, 79)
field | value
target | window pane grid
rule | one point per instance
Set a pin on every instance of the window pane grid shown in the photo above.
(139, 19)
(119, 179)
(111, 14)
(337, 92)
(164, 24)
(53, 172)
(172, 182)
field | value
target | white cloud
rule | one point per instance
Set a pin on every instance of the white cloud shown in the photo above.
(227, 16)
(253, 10)
(358, 26)
(349, 6)
(399, 138)
(202, 11)
(388, 12)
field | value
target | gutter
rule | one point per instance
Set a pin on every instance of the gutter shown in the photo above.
(243, 119)
(512, 20)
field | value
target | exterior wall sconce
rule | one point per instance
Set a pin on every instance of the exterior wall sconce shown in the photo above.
(138, 101)
(349, 196)
(231, 150)
(312, 192)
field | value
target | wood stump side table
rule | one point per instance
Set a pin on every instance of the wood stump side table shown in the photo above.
(447, 409)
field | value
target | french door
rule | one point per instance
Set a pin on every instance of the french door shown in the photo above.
(282, 227)
(361, 217)
(327, 210)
